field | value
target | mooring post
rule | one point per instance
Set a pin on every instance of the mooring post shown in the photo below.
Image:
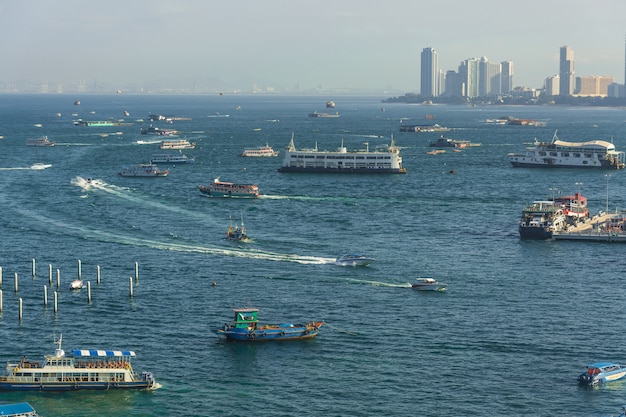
(0, 300)
(80, 272)
(34, 269)
(0, 275)
(131, 286)
(20, 313)
(58, 278)
(136, 271)
(45, 295)
(98, 273)
(50, 274)
(89, 292)
(56, 302)
(16, 283)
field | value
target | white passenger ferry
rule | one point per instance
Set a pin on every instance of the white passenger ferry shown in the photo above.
(261, 151)
(81, 370)
(177, 144)
(562, 154)
(342, 161)
(168, 158)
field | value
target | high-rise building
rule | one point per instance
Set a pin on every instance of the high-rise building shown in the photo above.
(469, 70)
(552, 85)
(507, 77)
(593, 85)
(429, 85)
(566, 72)
(490, 78)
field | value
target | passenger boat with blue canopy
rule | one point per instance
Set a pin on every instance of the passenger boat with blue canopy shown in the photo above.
(81, 370)
(246, 328)
(18, 410)
(602, 372)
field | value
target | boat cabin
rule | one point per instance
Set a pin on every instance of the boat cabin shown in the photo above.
(245, 318)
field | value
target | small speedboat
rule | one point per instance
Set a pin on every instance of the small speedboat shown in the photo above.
(602, 372)
(18, 410)
(428, 284)
(353, 259)
(77, 284)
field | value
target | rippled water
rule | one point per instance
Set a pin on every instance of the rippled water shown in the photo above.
(519, 322)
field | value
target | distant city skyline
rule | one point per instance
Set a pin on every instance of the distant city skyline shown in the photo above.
(280, 45)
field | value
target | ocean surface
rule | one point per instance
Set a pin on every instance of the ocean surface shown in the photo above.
(519, 322)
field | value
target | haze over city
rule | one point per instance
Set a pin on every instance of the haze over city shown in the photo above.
(282, 45)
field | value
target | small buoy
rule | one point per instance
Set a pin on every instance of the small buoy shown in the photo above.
(214, 284)
(453, 171)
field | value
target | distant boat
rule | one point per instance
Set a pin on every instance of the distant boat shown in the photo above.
(260, 151)
(245, 328)
(77, 103)
(177, 144)
(42, 141)
(237, 233)
(229, 189)
(77, 284)
(330, 104)
(602, 372)
(143, 170)
(171, 159)
(428, 284)
(318, 114)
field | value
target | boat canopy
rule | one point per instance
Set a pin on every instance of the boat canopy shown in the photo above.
(16, 409)
(102, 353)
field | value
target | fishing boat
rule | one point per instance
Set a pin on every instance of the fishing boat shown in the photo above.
(541, 219)
(229, 189)
(80, 370)
(261, 151)
(428, 284)
(562, 154)
(42, 141)
(237, 233)
(602, 372)
(171, 159)
(76, 284)
(245, 327)
(343, 161)
(353, 259)
(143, 170)
(18, 410)
(177, 144)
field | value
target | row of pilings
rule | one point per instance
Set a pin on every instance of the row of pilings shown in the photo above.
(131, 282)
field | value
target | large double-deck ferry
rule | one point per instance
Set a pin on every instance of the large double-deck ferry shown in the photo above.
(562, 154)
(81, 370)
(229, 189)
(343, 161)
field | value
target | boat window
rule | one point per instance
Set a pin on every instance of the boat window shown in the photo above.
(565, 153)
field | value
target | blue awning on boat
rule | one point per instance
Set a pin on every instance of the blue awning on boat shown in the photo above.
(102, 353)
(19, 408)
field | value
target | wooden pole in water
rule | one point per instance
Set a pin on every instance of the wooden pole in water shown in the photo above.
(98, 273)
(50, 274)
(56, 302)
(34, 269)
(0, 300)
(136, 271)
(16, 283)
(131, 286)
(89, 292)
(58, 278)
(20, 313)
(0, 275)
(80, 270)
(45, 295)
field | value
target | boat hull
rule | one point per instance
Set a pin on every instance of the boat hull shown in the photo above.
(268, 335)
(72, 386)
(323, 170)
(534, 233)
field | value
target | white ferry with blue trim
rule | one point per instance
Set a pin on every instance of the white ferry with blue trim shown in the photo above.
(81, 370)
(561, 154)
(343, 161)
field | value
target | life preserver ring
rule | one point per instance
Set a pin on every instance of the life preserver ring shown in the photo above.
(16, 369)
(127, 366)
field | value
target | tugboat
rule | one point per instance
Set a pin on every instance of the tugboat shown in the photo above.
(245, 328)
(81, 370)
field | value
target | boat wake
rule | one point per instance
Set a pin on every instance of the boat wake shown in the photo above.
(34, 167)
(378, 283)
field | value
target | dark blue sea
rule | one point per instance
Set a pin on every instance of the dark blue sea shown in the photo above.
(519, 321)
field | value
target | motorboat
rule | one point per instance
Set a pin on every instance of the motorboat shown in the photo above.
(353, 259)
(229, 189)
(77, 284)
(245, 327)
(42, 141)
(428, 284)
(602, 372)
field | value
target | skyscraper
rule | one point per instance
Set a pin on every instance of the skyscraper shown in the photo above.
(429, 80)
(566, 72)
(507, 76)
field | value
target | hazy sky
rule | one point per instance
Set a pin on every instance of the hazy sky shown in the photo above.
(370, 44)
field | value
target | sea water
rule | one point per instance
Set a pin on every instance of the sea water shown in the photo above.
(519, 321)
